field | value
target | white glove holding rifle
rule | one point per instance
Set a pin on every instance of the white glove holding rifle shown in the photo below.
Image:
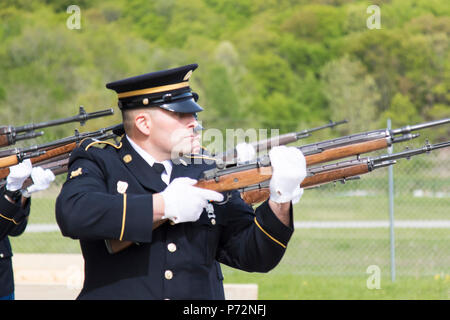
(288, 171)
(41, 180)
(18, 174)
(245, 152)
(185, 203)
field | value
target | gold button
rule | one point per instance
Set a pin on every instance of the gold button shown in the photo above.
(127, 158)
(168, 274)
(213, 222)
(172, 247)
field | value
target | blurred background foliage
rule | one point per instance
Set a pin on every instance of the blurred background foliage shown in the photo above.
(270, 64)
(262, 64)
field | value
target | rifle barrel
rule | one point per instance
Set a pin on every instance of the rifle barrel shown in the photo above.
(29, 135)
(409, 153)
(331, 124)
(81, 117)
(24, 153)
(266, 144)
(408, 129)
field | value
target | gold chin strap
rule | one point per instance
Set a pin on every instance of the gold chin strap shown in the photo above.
(201, 156)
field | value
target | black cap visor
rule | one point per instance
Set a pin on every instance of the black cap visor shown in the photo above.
(182, 106)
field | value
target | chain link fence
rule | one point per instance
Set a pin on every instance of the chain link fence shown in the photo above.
(341, 229)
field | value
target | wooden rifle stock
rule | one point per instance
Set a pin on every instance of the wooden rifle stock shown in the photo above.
(256, 196)
(57, 167)
(236, 180)
(4, 140)
(346, 151)
(54, 152)
(254, 176)
(49, 154)
(224, 183)
(114, 245)
(245, 178)
(8, 161)
(260, 195)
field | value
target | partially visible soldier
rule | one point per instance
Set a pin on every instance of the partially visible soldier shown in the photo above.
(14, 211)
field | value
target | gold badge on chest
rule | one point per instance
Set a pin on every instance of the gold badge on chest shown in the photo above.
(76, 173)
(122, 186)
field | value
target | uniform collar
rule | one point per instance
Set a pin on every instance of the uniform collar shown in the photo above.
(148, 157)
(140, 168)
(148, 177)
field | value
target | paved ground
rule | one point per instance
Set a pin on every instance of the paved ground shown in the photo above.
(60, 277)
(45, 292)
(47, 276)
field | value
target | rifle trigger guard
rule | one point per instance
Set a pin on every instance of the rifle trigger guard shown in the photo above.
(226, 198)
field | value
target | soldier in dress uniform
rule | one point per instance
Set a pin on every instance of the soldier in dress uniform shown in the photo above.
(135, 191)
(14, 211)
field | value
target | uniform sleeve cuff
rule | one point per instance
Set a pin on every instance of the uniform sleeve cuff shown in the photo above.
(137, 218)
(268, 222)
(12, 211)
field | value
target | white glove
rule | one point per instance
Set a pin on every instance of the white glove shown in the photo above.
(245, 152)
(184, 203)
(41, 179)
(18, 174)
(288, 171)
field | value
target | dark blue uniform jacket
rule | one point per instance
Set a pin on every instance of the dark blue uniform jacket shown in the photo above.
(108, 195)
(13, 221)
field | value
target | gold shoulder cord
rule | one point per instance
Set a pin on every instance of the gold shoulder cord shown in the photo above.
(104, 142)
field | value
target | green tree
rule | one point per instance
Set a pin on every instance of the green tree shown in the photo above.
(402, 112)
(351, 93)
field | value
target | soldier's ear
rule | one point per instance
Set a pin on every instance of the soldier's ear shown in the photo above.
(143, 122)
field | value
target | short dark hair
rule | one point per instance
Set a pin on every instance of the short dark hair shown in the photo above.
(128, 117)
(127, 120)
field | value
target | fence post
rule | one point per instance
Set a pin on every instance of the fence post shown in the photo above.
(391, 210)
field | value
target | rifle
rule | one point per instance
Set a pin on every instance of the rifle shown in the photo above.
(254, 193)
(341, 171)
(58, 166)
(364, 142)
(267, 144)
(52, 149)
(356, 144)
(9, 134)
(234, 177)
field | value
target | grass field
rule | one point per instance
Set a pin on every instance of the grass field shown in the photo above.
(326, 263)
(283, 286)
